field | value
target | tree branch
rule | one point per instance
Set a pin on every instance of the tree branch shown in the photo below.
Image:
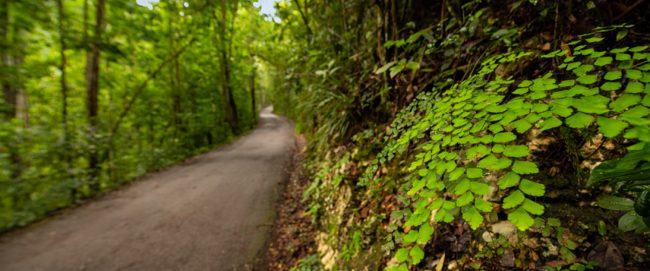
(304, 18)
(140, 89)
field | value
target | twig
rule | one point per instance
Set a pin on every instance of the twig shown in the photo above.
(630, 8)
(596, 150)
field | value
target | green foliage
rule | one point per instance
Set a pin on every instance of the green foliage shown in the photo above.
(579, 120)
(462, 141)
(492, 139)
(309, 263)
(616, 203)
(627, 174)
(161, 97)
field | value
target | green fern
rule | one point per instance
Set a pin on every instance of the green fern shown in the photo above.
(462, 151)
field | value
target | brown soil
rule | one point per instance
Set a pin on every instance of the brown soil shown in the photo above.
(292, 237)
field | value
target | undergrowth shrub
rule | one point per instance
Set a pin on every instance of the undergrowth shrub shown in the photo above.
(473, 158)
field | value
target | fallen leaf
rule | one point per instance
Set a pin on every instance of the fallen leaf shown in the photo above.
(441, 263)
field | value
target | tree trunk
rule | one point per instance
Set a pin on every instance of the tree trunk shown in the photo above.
(21, 104)
(230, 105)
(305, 19)
(14, 95)
(64, 94)
(85, 25)
(174, 74)
(7, 75)
(64, 84)
(253, 104)
(92, 92)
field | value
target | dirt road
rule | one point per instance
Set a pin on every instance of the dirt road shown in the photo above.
(212, 213)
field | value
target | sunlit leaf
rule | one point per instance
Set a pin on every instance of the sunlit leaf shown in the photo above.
(579, 120)
(602, 61)
(625, 101)
(532, 188)
(516, 151)
(424, 234)
(509, 180)
(522, 125)
(634, 74)
(482, 205)
(596, 104)
(623, 57)
(473, 217)
(513, 200)
(417, 254)
(498, 148)
(613, 75)
(401, 255)
(464, 199)
(550, 124)
(479, 188)
(474, 173)
(521, 219)
(456, 173)
(611, 127)
(562, 111)
(504, 137)
(533, 207)
(634, 87)
(635, 115)
(525, 167)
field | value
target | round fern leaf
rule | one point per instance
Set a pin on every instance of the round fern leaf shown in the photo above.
(611, 127)
(579, 120)
(624, 101)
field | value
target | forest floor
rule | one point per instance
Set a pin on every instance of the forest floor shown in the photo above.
(212, 213)
(293, 235)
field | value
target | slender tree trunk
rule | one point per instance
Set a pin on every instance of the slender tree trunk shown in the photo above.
(64, 83)
(14, 96)
(178, 98)
(395, 31)
(8, 91)
(21, 103)
(230, 105)
(92, 92)
(172, 77)
(304, 18)
(85, 24)
(174, 74)
(253, 104)
(379, 52)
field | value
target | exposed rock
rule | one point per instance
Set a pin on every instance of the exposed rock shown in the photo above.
(508, 258)
(488, 236)
(607, 255)
(505, 228)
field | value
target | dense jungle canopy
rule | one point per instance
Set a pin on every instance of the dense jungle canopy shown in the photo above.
(442, 135)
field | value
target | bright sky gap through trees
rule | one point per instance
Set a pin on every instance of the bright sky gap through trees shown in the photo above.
(267, 6)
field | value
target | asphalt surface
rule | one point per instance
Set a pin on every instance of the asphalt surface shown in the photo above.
(211, 213)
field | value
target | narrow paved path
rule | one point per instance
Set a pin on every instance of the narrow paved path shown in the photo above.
(210, 214)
